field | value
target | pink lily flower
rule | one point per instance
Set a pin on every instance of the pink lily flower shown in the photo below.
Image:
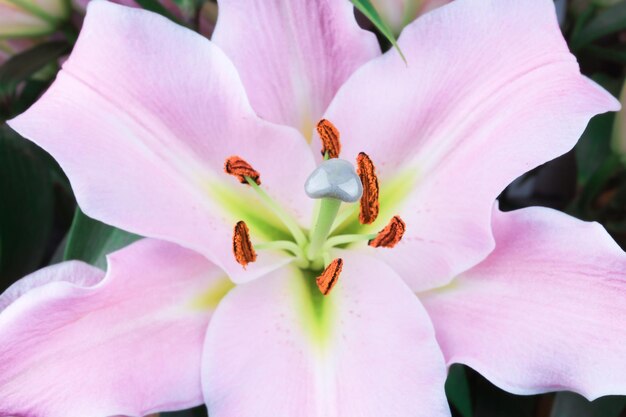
(532, 299)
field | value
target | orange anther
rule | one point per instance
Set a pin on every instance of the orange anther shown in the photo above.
(369, 206)
(390, 235)
(239, 168)
(242, 246)
(327, 280)
(330, 138)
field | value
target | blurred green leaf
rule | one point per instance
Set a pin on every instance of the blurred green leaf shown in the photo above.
(194, 412)
(618, 135)
(90, 240)
(22, 66)
(26, 205)
(568, 404)
(156, 7)
(605, 22)
(458, 390)
(594, 146)
(367, 8)
(616, 54)
(491, 401)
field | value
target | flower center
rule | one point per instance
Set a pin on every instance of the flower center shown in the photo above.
(334, 182)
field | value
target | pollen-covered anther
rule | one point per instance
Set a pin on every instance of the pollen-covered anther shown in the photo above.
(327, 280)
(242, 246)
(239, 168)
(369, 206)
(329, 135)
(390, 235)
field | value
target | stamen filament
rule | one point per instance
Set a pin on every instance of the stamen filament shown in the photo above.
(325, 219)
(280, 245)
(345, 239)
(301, 260)
(287, 220)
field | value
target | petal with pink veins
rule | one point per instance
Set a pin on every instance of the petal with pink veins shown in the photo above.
(293, 55)
(142, 118)
(546, 311)
(277, 348)
(75, 344)
(489, 92)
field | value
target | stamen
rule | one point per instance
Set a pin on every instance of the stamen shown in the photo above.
(369, 206)
(329, 135)
(242, 246)
(390, 235)
(288, 246)
(287, 220)
(327, 280)
(333, 181)
(239, 168)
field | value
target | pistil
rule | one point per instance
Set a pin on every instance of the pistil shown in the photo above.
(333, 182)
(328, 211)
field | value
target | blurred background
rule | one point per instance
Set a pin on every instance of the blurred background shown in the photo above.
(40, 223)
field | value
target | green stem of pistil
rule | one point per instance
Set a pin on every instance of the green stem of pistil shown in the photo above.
(293, 227)
(345, 239)
(328, 211)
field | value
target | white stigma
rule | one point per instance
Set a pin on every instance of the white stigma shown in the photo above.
(334, 178)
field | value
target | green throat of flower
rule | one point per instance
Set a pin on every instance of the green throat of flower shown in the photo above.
(333, 183)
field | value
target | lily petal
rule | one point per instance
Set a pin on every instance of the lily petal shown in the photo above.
(293, 55)
(490, 91)
(277, 348)
(75, 272)
(545, 311)
(129, 344)
(143, 128)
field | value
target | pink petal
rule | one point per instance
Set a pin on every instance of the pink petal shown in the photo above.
(545, 311)
(75, 272)
(128, 345)
(489, 92)
(142, 119)
(277, 348)
(293, 55)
